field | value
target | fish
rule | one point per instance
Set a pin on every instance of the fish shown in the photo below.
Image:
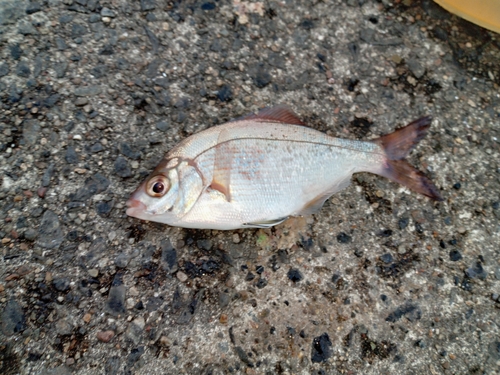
(259, 170)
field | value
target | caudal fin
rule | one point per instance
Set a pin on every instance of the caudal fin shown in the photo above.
(397, 145)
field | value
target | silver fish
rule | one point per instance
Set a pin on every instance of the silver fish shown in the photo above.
(261, 169)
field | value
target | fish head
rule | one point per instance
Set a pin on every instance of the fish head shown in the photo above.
(168, 193)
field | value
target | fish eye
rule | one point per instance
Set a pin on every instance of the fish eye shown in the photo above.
(158, 186)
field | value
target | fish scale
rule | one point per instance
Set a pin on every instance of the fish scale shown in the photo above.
(278, 179)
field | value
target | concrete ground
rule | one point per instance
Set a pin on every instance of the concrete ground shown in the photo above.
(380, 281)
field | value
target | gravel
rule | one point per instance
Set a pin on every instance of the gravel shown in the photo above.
(380, 280)
(122, 167)
(321, 348)
(168, 256)
(294, 275)
(71, 156)
(4, 69)
(162, 126)
(115, 304)
(13, 320)
(50, 234)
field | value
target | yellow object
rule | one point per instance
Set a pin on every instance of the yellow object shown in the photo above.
(485, 13)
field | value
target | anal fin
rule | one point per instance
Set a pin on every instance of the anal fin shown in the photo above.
(314, 205)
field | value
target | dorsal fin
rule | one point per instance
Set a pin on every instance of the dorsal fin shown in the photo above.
(281, 113)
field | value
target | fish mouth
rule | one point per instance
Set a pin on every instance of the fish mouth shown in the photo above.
(135, 207)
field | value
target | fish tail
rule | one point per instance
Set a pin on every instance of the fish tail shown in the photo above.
(397, 145)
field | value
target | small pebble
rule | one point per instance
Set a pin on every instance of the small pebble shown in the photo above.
(87, 317)
(81, 101)
(162, 126)
(122, 167)
(165, 341)
(455, 255)
(295, 275)
(115, 303)
(106, 12)
(105, 336)
(130, 303)
(181, 276)
(359, 253)
(261, 283)
(223, 319)
(11, 277)
(386, 258)
(41, 192)
(403, 222)
(93, 272)
(343, 238)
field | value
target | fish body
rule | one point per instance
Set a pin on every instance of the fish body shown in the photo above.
(264, 168)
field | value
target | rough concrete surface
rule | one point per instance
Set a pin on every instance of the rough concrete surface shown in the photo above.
(380, 281)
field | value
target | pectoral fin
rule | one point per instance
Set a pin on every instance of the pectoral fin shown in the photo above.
(221, 177)
(265, 223)
(221, 187)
